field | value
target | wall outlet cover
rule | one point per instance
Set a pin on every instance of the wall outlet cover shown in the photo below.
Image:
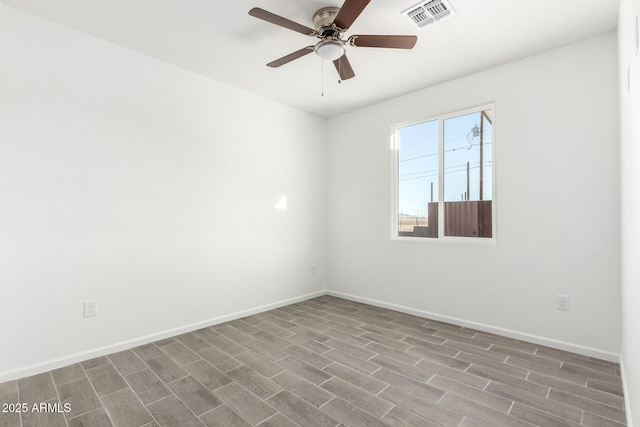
(90, 308)
(562, 302)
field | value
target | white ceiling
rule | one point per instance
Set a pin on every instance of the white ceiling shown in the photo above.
(220, 40)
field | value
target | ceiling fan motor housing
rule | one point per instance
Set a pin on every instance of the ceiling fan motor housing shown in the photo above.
(323, 18)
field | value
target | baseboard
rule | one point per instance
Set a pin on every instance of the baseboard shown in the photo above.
(124, 345)
(561, 345)
(625, 391)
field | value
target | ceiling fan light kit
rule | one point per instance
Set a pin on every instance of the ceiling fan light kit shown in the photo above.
(330, 25)
(330, 50)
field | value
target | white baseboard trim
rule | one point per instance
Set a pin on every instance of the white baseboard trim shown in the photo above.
(625, 391)
(536, 339)
(125, 345)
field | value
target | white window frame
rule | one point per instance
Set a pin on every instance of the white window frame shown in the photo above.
(395, 183)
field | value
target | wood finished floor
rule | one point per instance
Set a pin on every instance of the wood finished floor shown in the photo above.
(327, 362)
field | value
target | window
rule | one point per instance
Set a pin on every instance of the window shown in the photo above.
(444, 176)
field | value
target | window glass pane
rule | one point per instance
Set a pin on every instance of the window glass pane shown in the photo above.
(418, 180)
(468, 175)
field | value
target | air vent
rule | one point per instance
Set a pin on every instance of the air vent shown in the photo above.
(426, 13)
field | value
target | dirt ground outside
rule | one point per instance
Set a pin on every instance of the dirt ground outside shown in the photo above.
(406, 223)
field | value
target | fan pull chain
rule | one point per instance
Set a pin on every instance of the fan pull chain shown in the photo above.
(339, 72)
(322, 77)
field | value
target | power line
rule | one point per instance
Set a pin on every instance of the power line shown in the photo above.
(446, 151)
(459, 168)
(464, 166)
(418, 157)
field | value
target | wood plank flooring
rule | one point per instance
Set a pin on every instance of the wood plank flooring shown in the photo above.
(325, 362)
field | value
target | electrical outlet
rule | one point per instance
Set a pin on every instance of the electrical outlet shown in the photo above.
(90, 308)
(562, 302)
(314, 269)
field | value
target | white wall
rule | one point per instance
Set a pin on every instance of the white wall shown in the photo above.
(630, 195)
(146, 187)
(556, 146)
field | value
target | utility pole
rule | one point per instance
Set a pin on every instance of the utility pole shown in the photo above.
(468, 180)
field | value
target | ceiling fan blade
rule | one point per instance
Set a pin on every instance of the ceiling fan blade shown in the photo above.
(343, 66)
(349, 12)
(393, 42)
(279, 20)
(288, 58)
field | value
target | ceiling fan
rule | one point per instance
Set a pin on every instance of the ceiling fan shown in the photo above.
(330, 25)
